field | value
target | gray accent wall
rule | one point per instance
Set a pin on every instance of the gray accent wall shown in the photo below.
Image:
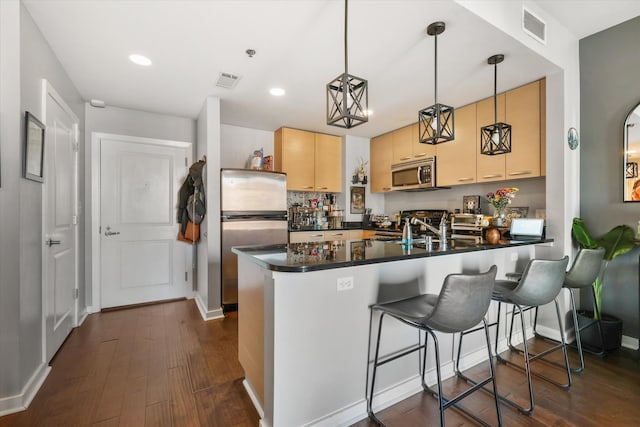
(610, 88)
(25, 59)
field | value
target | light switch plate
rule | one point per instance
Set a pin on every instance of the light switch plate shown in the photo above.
(344, 283)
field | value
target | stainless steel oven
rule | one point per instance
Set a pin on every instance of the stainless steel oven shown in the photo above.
(420, 174)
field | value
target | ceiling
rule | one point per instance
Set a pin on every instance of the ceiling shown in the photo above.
(299, 47)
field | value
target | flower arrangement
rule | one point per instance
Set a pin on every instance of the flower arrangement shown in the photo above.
(501, 198)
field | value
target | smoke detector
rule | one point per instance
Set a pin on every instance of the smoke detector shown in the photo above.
(227, 80)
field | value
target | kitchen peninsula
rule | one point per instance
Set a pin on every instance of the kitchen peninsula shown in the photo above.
(304, 321)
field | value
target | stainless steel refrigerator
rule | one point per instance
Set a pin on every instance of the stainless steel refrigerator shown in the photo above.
(254, 212)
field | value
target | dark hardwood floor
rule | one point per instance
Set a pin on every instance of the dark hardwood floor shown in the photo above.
(157, 365)
(161, 365)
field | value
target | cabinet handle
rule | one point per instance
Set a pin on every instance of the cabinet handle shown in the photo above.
(310, 187)
(405, 158)
(420, 155)
(386, 188)
(336, 234)
(495, 175)
(529, 172)
(317, 235)
(322, 188)
(465, 179)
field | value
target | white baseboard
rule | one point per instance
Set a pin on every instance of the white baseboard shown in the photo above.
(20, 402)
(204, 312)
(630, 343)
(254, 398)
(92, 309)
(82, 317)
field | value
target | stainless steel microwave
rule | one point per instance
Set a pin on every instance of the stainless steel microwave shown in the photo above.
(416, 175)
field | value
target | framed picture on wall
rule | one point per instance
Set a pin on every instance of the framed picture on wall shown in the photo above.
(357, 200)
(33, 156)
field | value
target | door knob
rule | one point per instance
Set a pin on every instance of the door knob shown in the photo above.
(111, 233)
(51, 242)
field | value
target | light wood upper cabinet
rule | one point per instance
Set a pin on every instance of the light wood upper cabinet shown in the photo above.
(328, 163)
(419, 150)
(456, 160)
(489, 168)
(402, 145)
(381, 154)
(312, 162)
(406, 146)
(543, 127)
(523, 114)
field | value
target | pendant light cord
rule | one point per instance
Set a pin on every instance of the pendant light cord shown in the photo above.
(435, 67)
(495, 93)
(346, 61)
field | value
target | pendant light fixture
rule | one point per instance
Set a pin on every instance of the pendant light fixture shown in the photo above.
(495, 138)
(435, 123)
(347, 95)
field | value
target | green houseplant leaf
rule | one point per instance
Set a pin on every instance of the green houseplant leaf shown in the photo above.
(617, 241)
(581, 234)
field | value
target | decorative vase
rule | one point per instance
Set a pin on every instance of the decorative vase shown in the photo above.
(493, 236)
(498, 218)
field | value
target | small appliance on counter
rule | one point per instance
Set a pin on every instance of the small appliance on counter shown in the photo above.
(467, 226)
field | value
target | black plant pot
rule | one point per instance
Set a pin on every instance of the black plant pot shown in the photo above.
(611, 331)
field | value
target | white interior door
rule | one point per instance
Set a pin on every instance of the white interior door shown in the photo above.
(141, 260)
(59, 221)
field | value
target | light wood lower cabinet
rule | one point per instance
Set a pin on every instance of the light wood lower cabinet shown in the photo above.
(312, 161)
(323, 235)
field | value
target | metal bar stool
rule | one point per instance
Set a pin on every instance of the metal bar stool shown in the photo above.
(540, 284)
(461, 304)
(582, 274)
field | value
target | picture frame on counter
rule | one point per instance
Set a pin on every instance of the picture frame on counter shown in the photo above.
(357, 200)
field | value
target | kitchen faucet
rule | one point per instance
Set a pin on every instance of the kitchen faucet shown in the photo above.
(442, 232)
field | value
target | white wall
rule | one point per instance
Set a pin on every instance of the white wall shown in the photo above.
(209, 258)
(353, 149)
(237, 145)
(123, 121)
(25, 59)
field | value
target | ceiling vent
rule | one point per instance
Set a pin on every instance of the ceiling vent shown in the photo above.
(227, 80)
(534, 26)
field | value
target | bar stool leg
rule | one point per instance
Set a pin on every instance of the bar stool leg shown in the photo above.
(577, 332)
(373, 375)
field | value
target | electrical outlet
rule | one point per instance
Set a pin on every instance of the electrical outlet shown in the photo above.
(345, 283)
(514, 256)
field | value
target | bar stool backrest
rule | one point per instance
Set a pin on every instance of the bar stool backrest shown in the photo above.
(541, 282)
(585, 268)
(463, 301)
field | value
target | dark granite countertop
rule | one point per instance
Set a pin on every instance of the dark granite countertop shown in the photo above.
(313, 256)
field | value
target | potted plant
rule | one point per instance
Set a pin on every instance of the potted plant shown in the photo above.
(360, 174)
(618, 241)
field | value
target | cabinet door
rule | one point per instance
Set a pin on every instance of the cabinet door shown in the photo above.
(543, 127)
(306, 236)
(380, 152)
(420, 151)
(402, 145)
(296, 150)
(336, 235)
(456, 160)
(356, 234)
(328, 163)
(523, 114)
(489, 168)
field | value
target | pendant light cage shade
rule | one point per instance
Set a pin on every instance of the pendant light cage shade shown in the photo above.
(347, 101)
(495, 139)
(632, 170)
(435, 124)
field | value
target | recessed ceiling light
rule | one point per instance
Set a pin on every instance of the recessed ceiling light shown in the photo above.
(140, 60)
(276, 91)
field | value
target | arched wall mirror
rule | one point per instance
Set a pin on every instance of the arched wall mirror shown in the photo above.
(632, 156)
